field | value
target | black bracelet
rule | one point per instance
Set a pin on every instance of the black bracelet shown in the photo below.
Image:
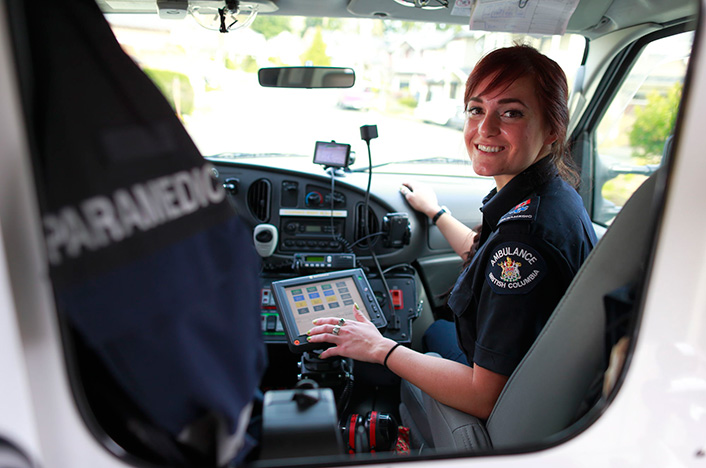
(438, 215)
(384, 363)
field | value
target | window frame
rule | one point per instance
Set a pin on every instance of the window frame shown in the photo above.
(583, 137)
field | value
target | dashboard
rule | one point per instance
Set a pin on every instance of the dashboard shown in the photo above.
(318, 213)
(311, 222)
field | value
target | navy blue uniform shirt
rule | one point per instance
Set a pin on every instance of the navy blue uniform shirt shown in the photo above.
(535, 236)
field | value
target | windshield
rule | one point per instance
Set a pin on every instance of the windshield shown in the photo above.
(410, 81)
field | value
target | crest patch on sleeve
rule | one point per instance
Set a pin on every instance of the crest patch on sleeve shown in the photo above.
(514, 268)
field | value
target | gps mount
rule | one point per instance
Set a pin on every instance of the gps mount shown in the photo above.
(332, 155)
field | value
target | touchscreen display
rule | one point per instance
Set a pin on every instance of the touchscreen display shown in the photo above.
(332, 154)
(330, 298)
(304, 299)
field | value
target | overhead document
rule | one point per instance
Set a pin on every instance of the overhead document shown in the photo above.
(517, 16)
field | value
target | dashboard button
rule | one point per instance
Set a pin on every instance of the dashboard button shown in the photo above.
(271, 324)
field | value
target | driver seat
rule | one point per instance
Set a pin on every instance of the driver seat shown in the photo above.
(560, 377)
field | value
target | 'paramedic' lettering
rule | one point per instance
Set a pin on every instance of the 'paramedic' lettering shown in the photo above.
(510, 251)
(99, 221)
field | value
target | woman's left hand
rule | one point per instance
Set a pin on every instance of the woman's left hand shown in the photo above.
(358, 339)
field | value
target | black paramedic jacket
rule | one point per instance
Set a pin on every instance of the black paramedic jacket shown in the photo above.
(536, 234)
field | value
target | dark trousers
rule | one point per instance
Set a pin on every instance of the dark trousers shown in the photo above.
(440, 338)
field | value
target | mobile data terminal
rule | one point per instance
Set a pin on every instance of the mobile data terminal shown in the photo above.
(303, 299)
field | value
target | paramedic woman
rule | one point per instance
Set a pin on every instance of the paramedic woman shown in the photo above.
(535, 235)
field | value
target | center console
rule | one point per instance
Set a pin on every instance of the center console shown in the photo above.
(349, 405)
(399, 307)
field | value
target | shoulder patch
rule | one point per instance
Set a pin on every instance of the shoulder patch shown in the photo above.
(514, 268)
(525, 211)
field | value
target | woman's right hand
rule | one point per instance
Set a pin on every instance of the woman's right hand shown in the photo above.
(358, 339)
(421, 197)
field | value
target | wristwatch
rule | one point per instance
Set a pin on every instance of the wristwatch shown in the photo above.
(438, 214)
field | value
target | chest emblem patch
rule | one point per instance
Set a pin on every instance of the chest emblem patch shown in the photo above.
(525, 211)
(514, 268)
(520, 208)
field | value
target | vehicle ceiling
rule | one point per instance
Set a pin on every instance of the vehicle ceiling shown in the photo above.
(592, 18)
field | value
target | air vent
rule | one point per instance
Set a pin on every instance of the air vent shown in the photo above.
(360, 230)
(259, 195)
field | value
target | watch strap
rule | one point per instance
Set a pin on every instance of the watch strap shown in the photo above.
(438, 215)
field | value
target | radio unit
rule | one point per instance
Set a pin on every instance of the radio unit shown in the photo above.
(316, 234)
(323, 262)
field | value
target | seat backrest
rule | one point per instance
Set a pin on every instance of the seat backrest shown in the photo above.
(547, 389)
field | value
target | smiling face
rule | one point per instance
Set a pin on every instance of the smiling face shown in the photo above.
(505, 131)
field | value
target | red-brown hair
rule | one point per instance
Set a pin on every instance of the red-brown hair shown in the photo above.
(511, 63)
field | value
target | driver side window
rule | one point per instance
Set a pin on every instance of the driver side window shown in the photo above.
(631, 136)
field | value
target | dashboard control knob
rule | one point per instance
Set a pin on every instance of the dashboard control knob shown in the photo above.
(231, 185)
(313, 199)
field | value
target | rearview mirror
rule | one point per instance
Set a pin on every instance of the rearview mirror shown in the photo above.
(306, 77)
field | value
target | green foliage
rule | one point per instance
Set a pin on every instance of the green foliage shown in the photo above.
(316, 53)
(249, 64)
(171, 83)
(407, 101)
(325, 23)
(653, 124)
(620, 188)
(275, 62)
(313, 23)
(230, 64)
(449, 27)
(270, 26)
(333, 24)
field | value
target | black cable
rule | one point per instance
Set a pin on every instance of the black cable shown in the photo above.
(386, 288)
(375, 234)
(333, 182)
(347, 392)
(346, 245)
(366, 226)
(399, 265)
(388, 296)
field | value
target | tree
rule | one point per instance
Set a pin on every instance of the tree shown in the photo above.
(176, 88)
(270, 26)
(316, 53)
(325, 23)
(654, 123)
(313, 23)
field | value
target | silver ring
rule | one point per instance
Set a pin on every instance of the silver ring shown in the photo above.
(336, 329)
(341, 321)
